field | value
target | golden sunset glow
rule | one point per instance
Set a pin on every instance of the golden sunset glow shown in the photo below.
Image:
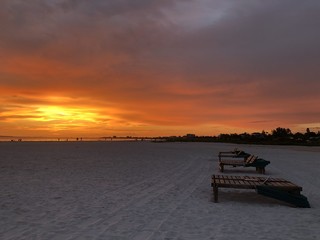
(101, 68)
(52, 113)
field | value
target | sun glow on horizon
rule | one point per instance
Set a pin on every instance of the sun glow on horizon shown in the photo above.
(62, 116)
(68, 114)
(53, 115)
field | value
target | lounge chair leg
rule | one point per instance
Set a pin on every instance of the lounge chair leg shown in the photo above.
(215, 193)
(221, 167)
(260, 170)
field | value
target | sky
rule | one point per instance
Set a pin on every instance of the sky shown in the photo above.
(158, 67)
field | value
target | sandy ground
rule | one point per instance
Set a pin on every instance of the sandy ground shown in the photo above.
(144, 190)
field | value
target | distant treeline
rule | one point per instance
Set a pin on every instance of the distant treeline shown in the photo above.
(278, 136)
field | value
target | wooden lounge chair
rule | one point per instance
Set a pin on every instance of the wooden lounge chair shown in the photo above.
(251, 161)
(277, 188)
(236, 153)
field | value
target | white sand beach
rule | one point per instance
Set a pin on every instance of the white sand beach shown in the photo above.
(144, 190)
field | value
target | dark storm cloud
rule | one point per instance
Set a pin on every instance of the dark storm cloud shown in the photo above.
(37, 23)
(252, 36)
(267, 38)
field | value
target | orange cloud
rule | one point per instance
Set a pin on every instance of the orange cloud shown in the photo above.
(157, 67)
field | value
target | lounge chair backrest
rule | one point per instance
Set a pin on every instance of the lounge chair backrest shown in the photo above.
(239, 152)
(251, 159)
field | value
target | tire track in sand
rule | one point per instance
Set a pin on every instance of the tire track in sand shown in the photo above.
(148, 231)
(138, 197)
(120, 201)
(107, 221)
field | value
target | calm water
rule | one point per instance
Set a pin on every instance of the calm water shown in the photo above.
(72, 139)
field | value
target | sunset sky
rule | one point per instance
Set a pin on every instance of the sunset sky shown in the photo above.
(158, 67)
